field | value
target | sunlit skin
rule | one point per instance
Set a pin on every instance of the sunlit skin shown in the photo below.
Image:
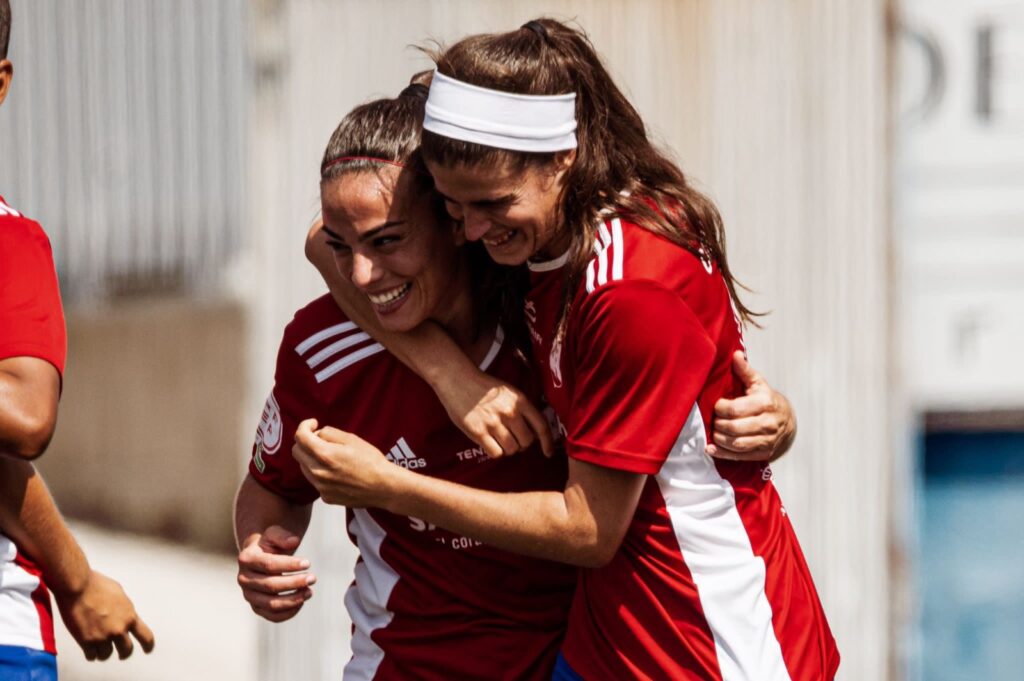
(387, 241)
(515, 214)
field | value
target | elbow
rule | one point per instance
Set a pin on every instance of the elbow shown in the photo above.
(32, 437)
(596, 556)
(591, 550)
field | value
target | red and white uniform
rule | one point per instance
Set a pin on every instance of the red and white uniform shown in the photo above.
(709, 582)
(31, 325)
(425, 603)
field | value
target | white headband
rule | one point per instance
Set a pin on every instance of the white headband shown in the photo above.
(500, 119)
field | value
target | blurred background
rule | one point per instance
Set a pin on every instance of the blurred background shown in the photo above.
(868, 158)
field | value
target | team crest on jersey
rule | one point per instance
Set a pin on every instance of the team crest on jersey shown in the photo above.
(705, 259)
(268, 435)
(555, 361)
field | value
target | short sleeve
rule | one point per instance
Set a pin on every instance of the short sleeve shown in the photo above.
(31, 315)
(641, 361)
(293, 400)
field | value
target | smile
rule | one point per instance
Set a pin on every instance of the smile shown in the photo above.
(388, 300)
(500, 240)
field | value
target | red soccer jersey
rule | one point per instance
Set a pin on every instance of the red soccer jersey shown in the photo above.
(31, 325)
(425, 603)
(709, 582)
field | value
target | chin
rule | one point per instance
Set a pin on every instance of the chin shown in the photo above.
(516, 256)
(393, 325)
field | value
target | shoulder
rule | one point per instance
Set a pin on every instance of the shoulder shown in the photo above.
(325, 340)
(16, 229)
(624, 250)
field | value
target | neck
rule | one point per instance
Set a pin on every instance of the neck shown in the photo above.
(459, 319)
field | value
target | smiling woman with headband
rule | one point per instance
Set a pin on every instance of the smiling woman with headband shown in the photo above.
(692, 569)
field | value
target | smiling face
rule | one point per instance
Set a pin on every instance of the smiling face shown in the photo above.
(514, 213)
(388, 242)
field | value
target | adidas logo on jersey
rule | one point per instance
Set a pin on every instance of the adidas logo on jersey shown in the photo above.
(402, 455)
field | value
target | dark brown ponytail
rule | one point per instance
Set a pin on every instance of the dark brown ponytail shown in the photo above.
(616, 167)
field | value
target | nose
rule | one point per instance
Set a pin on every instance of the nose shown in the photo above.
(364, 271)
(476, 223)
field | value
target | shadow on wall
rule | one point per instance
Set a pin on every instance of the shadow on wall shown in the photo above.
(148, 438)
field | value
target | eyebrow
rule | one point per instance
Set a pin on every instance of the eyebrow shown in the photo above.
(482, 202)
(369, 235)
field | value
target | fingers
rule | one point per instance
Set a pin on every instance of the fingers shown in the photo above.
(757, 448)
(763, 424)
(306, 433)
(757, 401)
(123, 644)
(267, 563)
(503, 436)
(491, 447)
(539, 425)
(278, 539)
(143, 634)
(276, 584)
(280, 607)
(331, 434)
(104, 649)
(523, 434)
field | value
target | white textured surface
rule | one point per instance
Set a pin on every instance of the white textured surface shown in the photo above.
(203, 627)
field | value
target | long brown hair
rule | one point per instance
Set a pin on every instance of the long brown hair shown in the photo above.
(617, 168)
(389, 131)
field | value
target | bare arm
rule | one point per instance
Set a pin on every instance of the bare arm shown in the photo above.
(495, 415)
(29, 391)
(95, 609)
(583, 525)
(268, 530)
(759, 425)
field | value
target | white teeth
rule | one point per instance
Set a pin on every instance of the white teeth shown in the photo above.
(504, 238)
(389, 296)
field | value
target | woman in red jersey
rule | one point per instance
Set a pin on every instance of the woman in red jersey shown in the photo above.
(692, 567)
(426, 603)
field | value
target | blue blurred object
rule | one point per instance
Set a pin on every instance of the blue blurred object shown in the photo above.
(971, 571)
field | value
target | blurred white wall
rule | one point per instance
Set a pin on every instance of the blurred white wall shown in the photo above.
(960, 187)
(780, 111)
(124, 136)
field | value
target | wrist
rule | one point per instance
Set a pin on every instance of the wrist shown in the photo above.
(70, 587)
(395, 490)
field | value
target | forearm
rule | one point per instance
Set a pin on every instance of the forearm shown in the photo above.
(257, 508)
(428, 350)
(545, 524)
(29, 516)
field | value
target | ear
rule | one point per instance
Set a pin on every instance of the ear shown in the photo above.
(565, 159)
(6, 74)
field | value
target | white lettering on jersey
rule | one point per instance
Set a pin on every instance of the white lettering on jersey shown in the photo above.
(420, 525)
(402, 455)
(473, 454)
